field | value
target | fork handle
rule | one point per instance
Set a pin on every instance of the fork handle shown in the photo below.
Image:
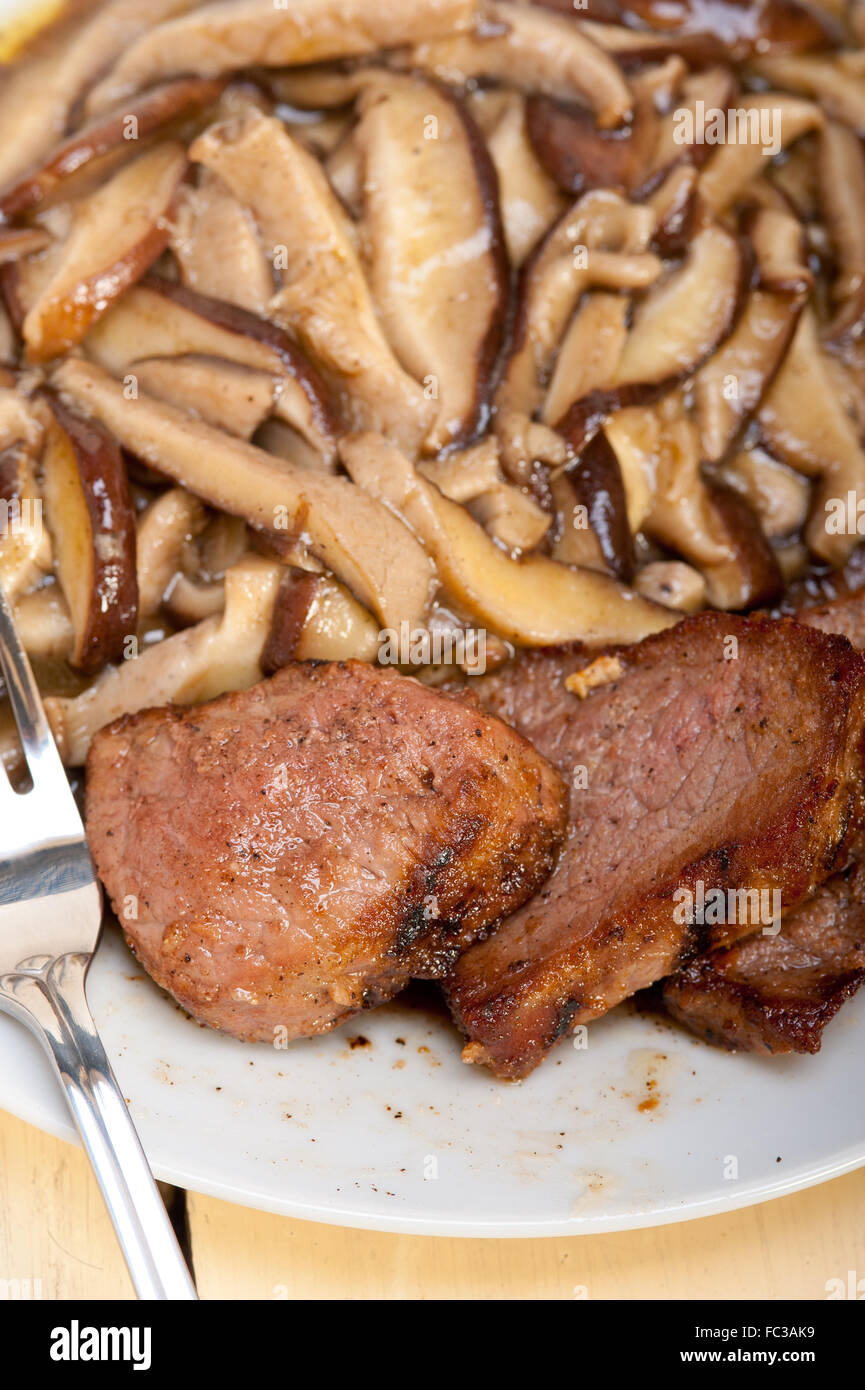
(54, 1005)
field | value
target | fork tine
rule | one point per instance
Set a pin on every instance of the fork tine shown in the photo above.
(37, 741)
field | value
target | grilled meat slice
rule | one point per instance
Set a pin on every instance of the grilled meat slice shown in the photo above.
(773, 994)
(776, 994)
(727, 753)
(284, 857)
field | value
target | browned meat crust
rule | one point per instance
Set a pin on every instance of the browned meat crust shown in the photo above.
(776, 994)
(844, 616)
(739, 773)
(284, 857)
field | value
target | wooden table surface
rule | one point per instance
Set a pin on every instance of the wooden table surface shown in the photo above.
(54, 1232)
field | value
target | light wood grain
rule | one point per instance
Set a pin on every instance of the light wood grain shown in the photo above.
(782, 1249)
(53, 1228)
(53, 1225)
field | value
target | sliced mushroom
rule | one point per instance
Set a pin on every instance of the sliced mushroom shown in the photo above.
(317, 619)
(635, 435)
(780, 498)
(39, 95)
(116, 236)
(31, 98)
(576, 542)
(846, 374)
(25, 552)
(675, 328)
(511, 517)
(464, 474)
(728, 27)
(681, 515)
(841, 170)
(16, 242)
(8, 346)
(24, 280)
(674, 203)
(162, 319)
(217, 655)
(536, 52)
(633, 46)
(751, 577)
(793, 182)
(666, 496)
(590, 351)
(326, 301)
(523, 443)
(578, 154)
(660, 82)
(283, 441)
(672, 583)
(89, 510)
(323, 86)
(85, 158)
(598, 487)
(223, 543)
(803, 423)
(20, 421)
(345, 172)
(601, 240)
(227, 395)
(438, 265)
(694, 517)
(730, 386)
(165, 531)
(685, 134)
(765, 124)
(529, 199)
(531, 602)
(190, 601)
(353, 535)
(43, 624)
(218, 248)
(323, 134)
(219, 37)
(841, 94)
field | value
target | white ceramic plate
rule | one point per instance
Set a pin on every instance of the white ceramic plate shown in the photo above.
(644, 1126)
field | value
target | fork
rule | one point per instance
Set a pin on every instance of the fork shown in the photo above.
(50, 925)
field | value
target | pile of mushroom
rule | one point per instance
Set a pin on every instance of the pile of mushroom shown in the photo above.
(331, 320)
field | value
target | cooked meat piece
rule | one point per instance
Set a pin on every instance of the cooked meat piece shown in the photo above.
(728, 752)
(284, 857)
(844, 615)
(773, 994)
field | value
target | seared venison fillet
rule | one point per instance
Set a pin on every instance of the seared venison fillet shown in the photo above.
(776, 994)
(728, 752)
(284, 857)
(773, 994)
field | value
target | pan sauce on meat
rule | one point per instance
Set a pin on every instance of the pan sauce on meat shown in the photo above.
(444, 315)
